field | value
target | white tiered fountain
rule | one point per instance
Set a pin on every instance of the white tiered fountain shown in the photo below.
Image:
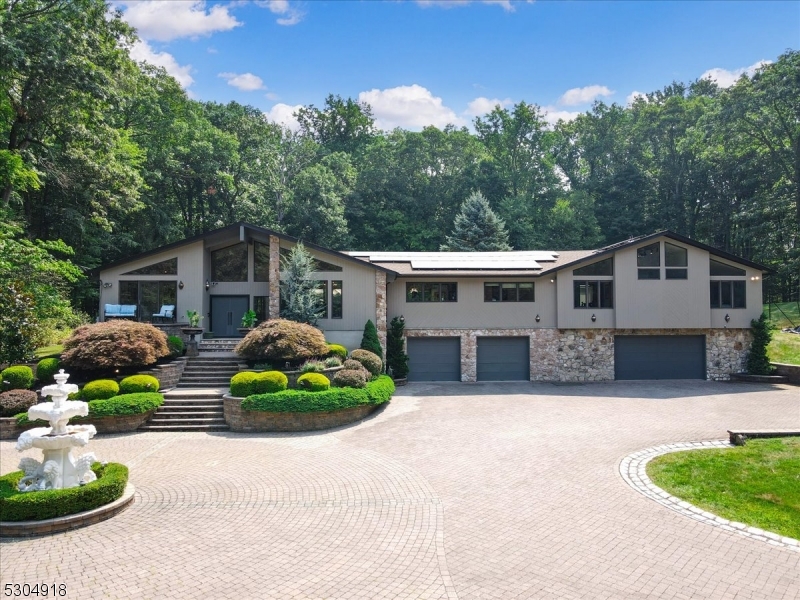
(58, 469)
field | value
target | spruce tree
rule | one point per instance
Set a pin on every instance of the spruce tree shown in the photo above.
(757, 360)
(396, 358)
(370, 341)
(299, 302)
(477, 228)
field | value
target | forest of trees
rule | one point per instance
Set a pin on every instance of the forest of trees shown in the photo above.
(113, 158)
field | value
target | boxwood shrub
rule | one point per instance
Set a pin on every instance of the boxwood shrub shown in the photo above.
(50, 504)
(337, 350)
(18, 378)
(46, 368)
(124, 404)
(374, 393)
(313, 382)
(354, 378)
(371, 361)
(139, 383)
(100, 389)
(248, 383)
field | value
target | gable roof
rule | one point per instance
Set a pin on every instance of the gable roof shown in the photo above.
(237, 227)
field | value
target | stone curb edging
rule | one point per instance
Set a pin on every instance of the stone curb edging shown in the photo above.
(68, 522)
(633, 471)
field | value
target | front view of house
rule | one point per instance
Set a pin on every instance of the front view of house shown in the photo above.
(660, 306)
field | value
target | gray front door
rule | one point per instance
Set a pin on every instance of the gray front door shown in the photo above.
(226, 315)
(659, 357)
(504, 359)
(434, 359)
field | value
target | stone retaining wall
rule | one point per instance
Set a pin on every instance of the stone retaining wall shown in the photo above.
(168, 374)
(790, 371)
(9, 430)
(251, 421)
(588, 354)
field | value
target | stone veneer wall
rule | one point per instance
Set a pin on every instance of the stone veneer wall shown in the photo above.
(274, 277)
(380, 307)
(588, 354)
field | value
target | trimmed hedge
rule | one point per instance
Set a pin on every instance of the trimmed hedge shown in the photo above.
(100, 389)
(50, 504)
(17, 401)
(46, 368)
(176, 345)
(371, 361)
(124, 404)
(313, 382)
(248, 383)
(375, 392)
(136, 384)
(337, 350)
(18, 378)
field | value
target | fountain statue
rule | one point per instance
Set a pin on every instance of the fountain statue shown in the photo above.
(58, 469)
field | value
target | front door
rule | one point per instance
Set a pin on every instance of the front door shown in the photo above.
(226, 315)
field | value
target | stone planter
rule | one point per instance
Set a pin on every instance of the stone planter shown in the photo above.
(257, 421)
(191, 345)
(9, 430)
(244, 330)
(790, 371)
(747, 378)
(400, 381)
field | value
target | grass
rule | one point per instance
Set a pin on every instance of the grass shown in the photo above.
(785, 347)
(757, 484)
(46, 351)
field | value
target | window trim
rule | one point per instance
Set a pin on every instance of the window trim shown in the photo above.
(732, 282)
(515, 283)
(340, 288)
(576, 284)
(421, 291)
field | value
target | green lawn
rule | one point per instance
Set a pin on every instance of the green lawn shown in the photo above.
(46, 351)
(757, 484)
(785, 347)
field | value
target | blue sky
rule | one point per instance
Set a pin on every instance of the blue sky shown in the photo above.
(431, 62)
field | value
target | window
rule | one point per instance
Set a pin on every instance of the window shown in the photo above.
(336, 300)
(675, 256)
(594, 294)
(229, 264)
(321, 293)
(260, 261)
(165, 267)
(261, 308)
(319, 266)
(601, 267)
(728, 294)
(721, 269)
(149, 296)
(431, 292)
(649, 256)
(508, 292)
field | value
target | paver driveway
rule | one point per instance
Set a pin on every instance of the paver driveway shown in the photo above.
(453, 491)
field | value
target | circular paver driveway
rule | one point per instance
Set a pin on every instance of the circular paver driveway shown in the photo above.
(453, 491)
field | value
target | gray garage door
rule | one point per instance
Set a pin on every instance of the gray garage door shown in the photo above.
(504, 359)
(434, 359)
(660, 356)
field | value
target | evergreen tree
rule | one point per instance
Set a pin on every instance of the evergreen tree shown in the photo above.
(370, 341)
(477, 228)
(299, 302)
(396, 358)
(757, 360)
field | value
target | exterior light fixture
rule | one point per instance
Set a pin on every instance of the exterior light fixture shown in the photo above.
(594, 318)
(107, 284)
(727, 318)
(755, 278)
(538, 318)
(552, 281)
(208, 285)
(180, 285)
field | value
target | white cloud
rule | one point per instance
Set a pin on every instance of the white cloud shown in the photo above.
(142, 52)
(631, 98)
(166, 20)
(482, 106)
(411, 106)
(553, 115)
(246, 82)
(290, 15)
(583, 95)
(284, 114)
(725, 78)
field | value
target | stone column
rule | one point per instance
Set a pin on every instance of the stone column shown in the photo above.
(380, 307)
(469, 356)
(274, 277)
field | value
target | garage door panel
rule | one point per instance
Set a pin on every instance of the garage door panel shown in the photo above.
(659, 357)
(434, 359)
(504, 358)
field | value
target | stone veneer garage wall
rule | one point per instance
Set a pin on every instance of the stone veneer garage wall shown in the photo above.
(588, 354)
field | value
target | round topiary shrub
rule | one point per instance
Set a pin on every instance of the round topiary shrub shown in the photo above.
(354, 365)
(337, 350)
(100, 389)
(176, 346)
(14, 402)
(139, 383)
(270, 382)
(279, 341)
(371, 361)
(17, 378)
(350, 378)
(46, 368)
(114, 344)
(242, 384)
(313, 382)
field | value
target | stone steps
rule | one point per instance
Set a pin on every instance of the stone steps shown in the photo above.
(218, 345)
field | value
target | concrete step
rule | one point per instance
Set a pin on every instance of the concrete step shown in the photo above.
(211, 368)
(188, 416)
(188, 406)
(184, 427)
(196, 394)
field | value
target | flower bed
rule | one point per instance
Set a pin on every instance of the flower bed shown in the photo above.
(300, 410)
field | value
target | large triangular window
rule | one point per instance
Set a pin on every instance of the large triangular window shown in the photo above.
(165, 267)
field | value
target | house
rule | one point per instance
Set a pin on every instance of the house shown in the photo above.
(660, 306)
